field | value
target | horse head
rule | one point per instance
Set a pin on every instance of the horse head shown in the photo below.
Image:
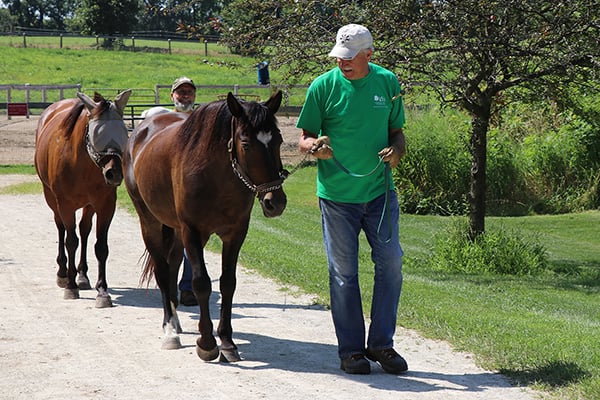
(107, 134)
(255, 150)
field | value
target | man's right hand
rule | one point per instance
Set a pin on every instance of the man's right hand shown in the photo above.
(321, 149)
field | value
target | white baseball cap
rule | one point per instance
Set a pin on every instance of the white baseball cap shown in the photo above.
(350, 40)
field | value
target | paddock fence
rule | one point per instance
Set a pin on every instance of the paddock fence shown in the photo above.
(25, 100)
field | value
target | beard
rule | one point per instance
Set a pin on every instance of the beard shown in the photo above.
(182, 107)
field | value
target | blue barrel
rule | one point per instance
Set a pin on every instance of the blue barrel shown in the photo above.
(262, 69)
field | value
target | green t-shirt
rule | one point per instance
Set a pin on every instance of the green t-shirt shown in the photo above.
(357, 116)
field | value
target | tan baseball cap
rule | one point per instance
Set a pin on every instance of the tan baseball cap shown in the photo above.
(184, 80)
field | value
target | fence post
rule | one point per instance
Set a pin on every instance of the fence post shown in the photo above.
(205, 48)
(169, 40)
(8, 101)
(25, 39)
(97, 43)
(133, 44)
(61, 37)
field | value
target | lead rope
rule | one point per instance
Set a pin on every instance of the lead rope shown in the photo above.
(386, 205)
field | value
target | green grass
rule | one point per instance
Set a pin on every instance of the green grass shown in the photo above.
(104, 69)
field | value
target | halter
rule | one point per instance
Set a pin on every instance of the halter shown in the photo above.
(243, 176)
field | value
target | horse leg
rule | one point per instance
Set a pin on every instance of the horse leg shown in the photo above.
(104, 217)
(174, 259)
(154, 238)
(61, 259)
(228, 282)
(85, 226)
(71, 243)
(206, 344)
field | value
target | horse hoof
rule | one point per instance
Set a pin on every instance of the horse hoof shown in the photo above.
(171, 343)
(229, 355)
(207, 355)
(103, 301)
(83, 284)
(62, 282)
(71, 294)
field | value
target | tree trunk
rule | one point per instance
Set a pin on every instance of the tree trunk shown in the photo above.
(477, 194)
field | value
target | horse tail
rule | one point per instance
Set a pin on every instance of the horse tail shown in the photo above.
(148, 271)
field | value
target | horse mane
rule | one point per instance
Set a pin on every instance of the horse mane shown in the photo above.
(217, 115)
(212, 117)
(102, 105)
(69, 122)
(259, 114)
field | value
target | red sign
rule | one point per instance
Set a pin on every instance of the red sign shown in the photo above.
(17, 109)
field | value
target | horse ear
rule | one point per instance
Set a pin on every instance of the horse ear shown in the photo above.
(122, 98)
(87, 100)
(274, 102)
(234, 105)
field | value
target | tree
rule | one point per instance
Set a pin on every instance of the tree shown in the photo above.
(193, 16)
(108, 17)
(46, 14)
(469, 52)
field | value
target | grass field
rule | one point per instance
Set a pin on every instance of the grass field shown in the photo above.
(103, 70)
(540, 330)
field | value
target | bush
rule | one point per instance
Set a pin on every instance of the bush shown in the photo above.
(433, 178)
(540, 159)
(493, 252)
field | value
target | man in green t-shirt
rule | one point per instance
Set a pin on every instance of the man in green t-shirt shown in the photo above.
(352, 123)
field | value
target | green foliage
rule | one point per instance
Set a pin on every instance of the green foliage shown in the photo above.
(108, 17)
(497, 251)
(433, 178)
(540, 160)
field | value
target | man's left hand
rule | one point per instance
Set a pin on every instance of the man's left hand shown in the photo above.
(390, 155)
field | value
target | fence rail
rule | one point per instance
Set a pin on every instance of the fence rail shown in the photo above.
(21, 99)
(15, 108)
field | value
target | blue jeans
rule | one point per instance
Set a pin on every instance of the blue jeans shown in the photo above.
(342, 223)
(185, 283)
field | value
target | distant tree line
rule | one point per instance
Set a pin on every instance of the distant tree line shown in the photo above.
(113, 17)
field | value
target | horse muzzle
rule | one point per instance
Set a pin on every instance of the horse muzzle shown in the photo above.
(112, 171)
(273, 203)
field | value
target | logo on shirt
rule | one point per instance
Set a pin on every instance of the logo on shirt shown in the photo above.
(379, 101)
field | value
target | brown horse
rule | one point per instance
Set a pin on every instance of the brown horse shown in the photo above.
(78, 160)
(191, 177)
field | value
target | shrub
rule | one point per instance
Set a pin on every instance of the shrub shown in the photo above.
(494, 252)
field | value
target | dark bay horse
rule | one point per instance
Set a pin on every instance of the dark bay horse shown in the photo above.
(191, 177)
(78, 148)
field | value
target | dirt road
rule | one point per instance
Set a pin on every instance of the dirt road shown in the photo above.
(52, 348)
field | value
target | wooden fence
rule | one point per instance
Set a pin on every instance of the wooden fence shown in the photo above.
(20, 100)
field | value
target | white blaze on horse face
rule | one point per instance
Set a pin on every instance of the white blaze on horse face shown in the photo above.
(264, 137)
